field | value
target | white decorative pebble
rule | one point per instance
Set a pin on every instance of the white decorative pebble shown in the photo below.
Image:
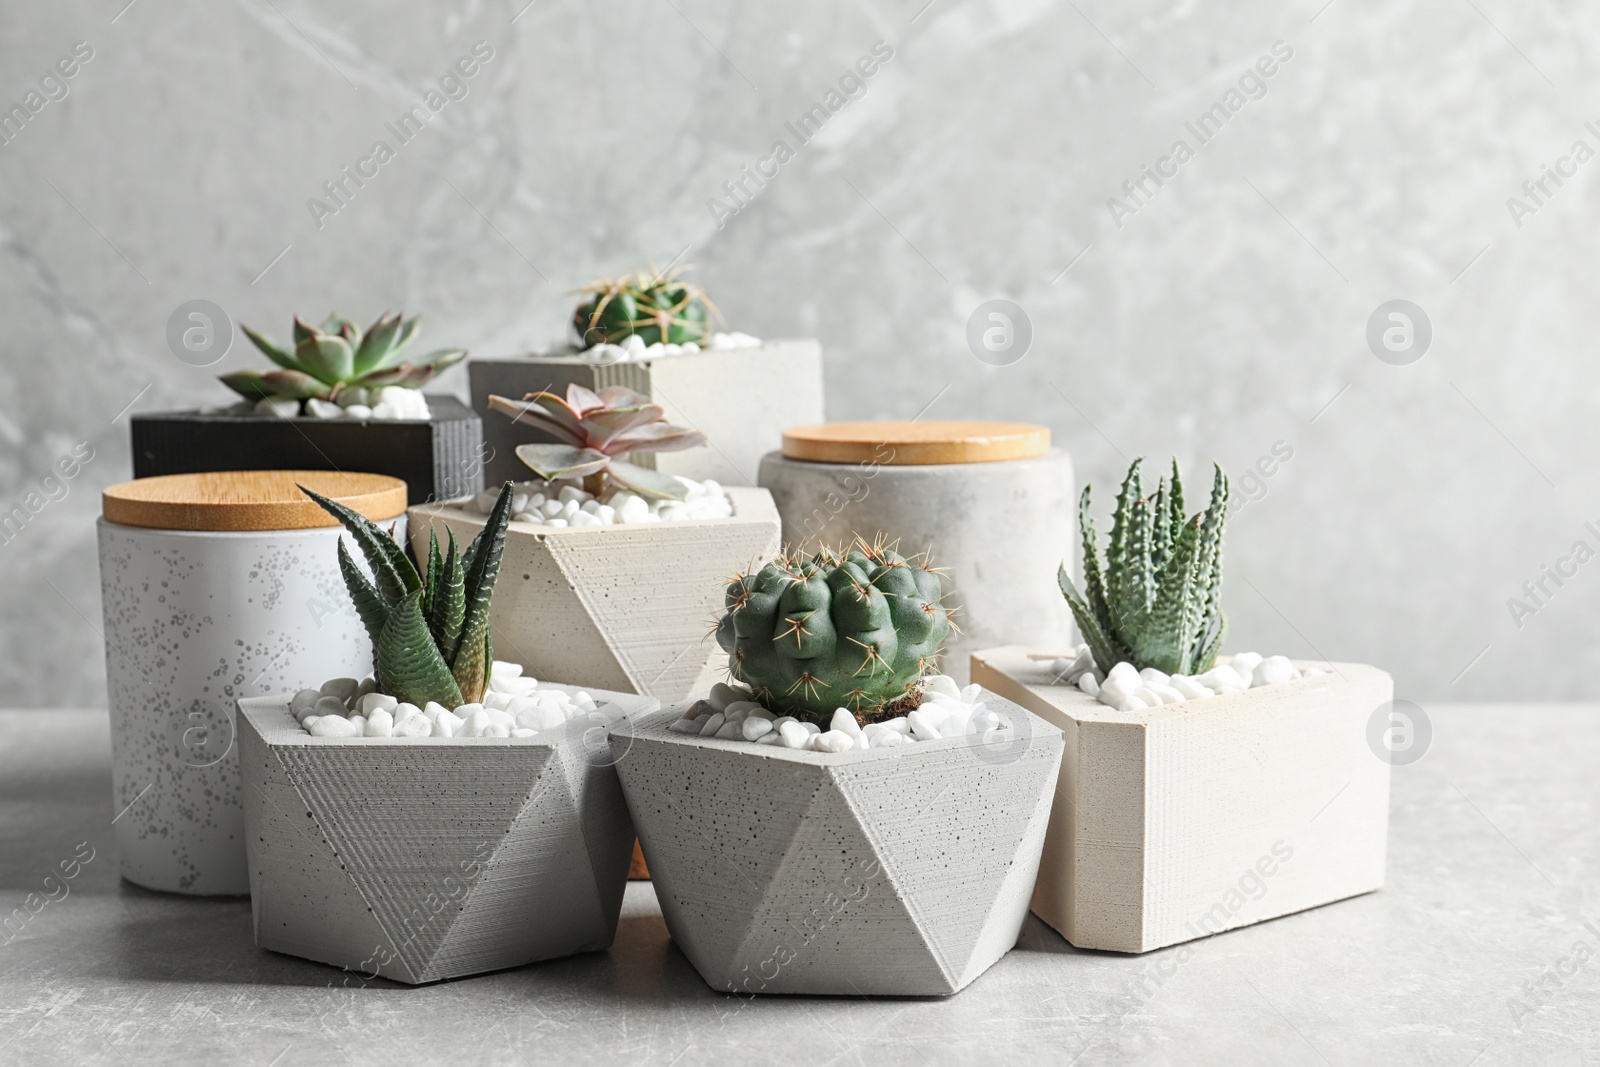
(380, 723)
(754, 727)
(343, 688)
(376, 701)
(413, 726)
(1087, 683)
(334, 726)
(833, 741)
(845, 722)
(794, 734)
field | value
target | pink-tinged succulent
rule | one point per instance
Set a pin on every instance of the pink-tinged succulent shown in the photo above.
(599, 430)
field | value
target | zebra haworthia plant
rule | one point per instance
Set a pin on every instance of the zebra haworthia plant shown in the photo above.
(430, 632)
(1157, 603)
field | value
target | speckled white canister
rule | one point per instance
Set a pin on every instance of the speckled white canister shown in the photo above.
(195, 620)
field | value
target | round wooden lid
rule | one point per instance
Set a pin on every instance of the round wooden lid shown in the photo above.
(911, 443)
(249, 500)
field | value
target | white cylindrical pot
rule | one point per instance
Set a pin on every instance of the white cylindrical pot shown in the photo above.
(998, 529)
(195, 620)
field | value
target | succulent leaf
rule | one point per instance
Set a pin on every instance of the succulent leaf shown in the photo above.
(409, 662)
(470, 664)
(279, 355)
(338, 355)
(551, 462)
(646, 482)
(377, 344)
(392, 570)
(450, 601)
(327, 357)
(369, 603)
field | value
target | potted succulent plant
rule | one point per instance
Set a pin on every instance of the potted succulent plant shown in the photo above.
(1198, 793)
(446, 816)
(844, 820)
(613, 565)
(652, 332)
(340, 399)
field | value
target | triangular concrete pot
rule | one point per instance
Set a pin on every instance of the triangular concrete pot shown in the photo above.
(424, 859)
(626, 608)
(895, 872)
(1182, 821)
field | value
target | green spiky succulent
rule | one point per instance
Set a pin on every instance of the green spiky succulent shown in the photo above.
(430, 634)
(653, 307)
(336, 356)
(855, 629)
(1157, 604)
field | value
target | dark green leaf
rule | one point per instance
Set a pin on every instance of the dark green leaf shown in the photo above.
(409, 662)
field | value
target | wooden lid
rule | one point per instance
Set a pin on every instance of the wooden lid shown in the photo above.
(249, 500)
(909, 443)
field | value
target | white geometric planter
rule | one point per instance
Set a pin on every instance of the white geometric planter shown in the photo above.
(1182, 821)
(740, 398)
(433, 858)
(626, 607)
(894, 872)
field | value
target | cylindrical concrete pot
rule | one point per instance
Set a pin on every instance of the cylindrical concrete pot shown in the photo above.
(215, 587)
(626, 608)
(901, 871)
(998, 528)
(421, 859)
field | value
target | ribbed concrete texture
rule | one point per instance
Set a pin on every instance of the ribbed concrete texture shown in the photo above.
(998, 531)
(740, 398)
(897, 872)
(628, 608)
(1182, 821)
(424, 859)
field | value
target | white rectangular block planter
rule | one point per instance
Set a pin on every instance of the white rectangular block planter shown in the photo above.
(903, 871)
(740, 398)
(1186, 820)
(627, 607)
(432, 858)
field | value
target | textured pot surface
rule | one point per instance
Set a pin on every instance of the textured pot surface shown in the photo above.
(627, 608)
(426, 859)
(902, 871)
(194, 621)
(999, 529)
(440, 459)
(1177, 822)
(740, 398)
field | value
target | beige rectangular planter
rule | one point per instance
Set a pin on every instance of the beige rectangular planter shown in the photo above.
(431, 858)
(627, 608)
(740, 398)
(1186, 820)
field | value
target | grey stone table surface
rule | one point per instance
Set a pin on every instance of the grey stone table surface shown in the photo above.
(1484, 948)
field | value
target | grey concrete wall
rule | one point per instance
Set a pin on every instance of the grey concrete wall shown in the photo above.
(1220, 314)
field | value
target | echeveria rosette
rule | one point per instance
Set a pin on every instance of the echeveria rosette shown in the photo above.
(653, 307)
(1158, 602)
(430, 632)
(597, 430)
(328, 359)
(856, 630)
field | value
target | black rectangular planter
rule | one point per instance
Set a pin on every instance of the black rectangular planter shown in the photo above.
(440, 459)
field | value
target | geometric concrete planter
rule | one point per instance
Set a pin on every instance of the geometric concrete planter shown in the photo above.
(624, 607)
(740, 398)
(425, 859)
(439, 458)
(1185, 820)
(889, 872)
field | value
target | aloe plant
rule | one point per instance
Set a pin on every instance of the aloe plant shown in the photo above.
(1157, 603)
(430, 632)
(648, 305)
(599, 429)
(328, 359)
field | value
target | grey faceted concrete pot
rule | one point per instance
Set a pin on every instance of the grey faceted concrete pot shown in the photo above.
(433, 858)
(740, 398)
(892, 872)
(626, 607)
(1186, 820)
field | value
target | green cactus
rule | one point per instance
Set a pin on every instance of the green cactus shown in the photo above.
(854, 629)
(654, 307)
(1158, 602)
(430, 633)
(336, 356)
